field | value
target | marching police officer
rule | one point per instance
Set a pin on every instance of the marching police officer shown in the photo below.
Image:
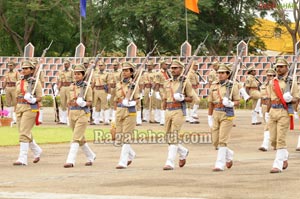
(174, 103)
(147, 85)
(271, 73)
(101, 86)
(9, 85)
(79, 111)
(252, 88)
(162, 76)
(116, 77)
(194, 79)
(219, 117)
(27, 114)
(65, 79)
(126, 113)
(279, 108)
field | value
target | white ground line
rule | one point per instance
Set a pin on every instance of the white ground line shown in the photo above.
(33, 195)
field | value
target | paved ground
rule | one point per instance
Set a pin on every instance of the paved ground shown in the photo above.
(248, 178)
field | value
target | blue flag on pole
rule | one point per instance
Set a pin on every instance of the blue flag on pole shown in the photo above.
(83, 8)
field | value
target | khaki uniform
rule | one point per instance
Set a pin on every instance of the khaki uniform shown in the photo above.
(125, 116)
(252, 84)
(101, 81)
(194, 79)
(148, 80)
(222, 124)
(212, 76)
(65, 78)
(116, 77)
(264, 103)
(175, 111)
(26, 113)
(78, 116)
(279, 116)
(10, 79)
(174, 118)
(161, 77)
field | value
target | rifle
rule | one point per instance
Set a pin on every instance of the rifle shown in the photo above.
(234, 73)
(292, 74)
(136, 79)
(183, 76)
(37, 72)
(88, 77)
(55, 103)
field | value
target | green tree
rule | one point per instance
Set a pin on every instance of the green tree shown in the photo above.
(281, 17)
(113, 24)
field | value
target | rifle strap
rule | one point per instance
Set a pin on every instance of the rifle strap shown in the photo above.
(280, 96)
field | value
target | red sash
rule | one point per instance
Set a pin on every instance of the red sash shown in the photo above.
(22, 87)
(280, 96)
(165, 75)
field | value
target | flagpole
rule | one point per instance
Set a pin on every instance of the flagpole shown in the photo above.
(80, 27)
(186, 27)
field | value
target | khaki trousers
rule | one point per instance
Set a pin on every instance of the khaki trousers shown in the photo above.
(221, 129)
(25, 122)
(78, 122)
(174, 120)
(11, 99)
(147, 100)
(64, 90)
(100, 96)
(111, 101)
(125, 123)
(278, 126)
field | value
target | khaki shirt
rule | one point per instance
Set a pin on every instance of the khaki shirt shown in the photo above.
(117, 76)
(148, 78)
(75, 91)
(121, 90)
(19, 94)
(212, 76)
(171, 86)
(251, 82)
(282, 85)
(12, 77)
(66, 76)
(263, 91)
(101, 78)
(161, 77)
(217, 92)
(194, 79)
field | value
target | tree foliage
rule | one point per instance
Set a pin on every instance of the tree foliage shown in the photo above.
(112, 24)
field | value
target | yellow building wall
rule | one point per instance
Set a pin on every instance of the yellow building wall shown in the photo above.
(265, 29)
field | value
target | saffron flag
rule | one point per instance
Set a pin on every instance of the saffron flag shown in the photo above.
(192, 5)
(83, 8)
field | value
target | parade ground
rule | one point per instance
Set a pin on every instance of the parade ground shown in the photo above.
(144, 178)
